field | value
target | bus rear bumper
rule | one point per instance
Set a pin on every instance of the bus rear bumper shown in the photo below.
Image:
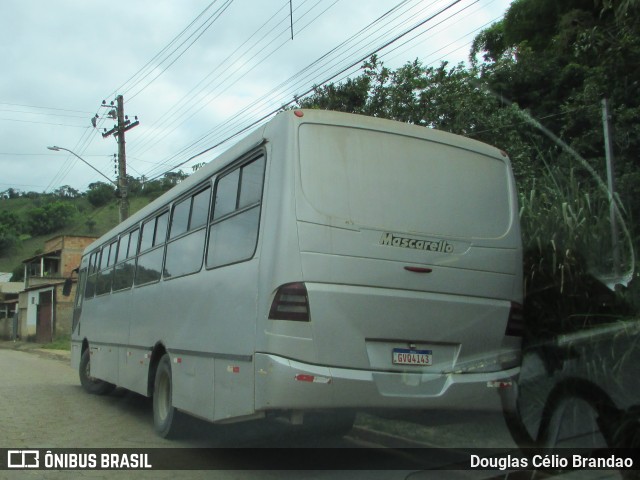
(282, 383)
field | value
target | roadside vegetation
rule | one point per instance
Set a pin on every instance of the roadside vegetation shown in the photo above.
(61, 342)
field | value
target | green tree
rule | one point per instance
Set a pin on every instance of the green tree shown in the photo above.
(66, 192)
(49, 218)
(100, 193)
(134, 186)
(10, 220)
(17, 274)
(171, 179)
(450, 98)
(10, 229)
(557, 60)
(8, 239)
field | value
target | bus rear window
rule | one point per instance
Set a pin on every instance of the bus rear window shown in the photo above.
(402, 184)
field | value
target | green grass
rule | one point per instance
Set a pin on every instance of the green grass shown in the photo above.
(62, 342)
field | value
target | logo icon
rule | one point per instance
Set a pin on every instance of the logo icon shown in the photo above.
(23, 459)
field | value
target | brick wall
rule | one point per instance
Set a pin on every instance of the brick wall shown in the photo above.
(64, 311)
(72, 253)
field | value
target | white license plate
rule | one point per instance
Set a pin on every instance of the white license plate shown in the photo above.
(405, 356)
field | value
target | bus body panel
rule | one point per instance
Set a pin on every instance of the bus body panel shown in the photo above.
(230, 360)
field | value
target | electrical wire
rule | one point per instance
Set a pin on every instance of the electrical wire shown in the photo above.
(326, 80)
(177, 111)
(86, 139)
(150, 64)
(265, 98)
(228, 81)
(44, 108)
(231, 125)
(218, 13)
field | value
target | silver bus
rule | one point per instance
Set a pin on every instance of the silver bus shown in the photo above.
(327, 262)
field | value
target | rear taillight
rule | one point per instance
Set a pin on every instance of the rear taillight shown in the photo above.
(290, 303)
(515, 323)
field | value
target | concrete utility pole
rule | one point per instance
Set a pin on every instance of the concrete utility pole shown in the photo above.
(118, 131)
(608, 147)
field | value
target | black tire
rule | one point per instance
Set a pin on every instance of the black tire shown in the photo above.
(91, 384)
(167, 421)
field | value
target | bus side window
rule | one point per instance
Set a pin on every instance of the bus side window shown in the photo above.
(154, 232)
(148, 231)
(82, 275)
(90, 289)
(233, 233)
(180, 218)
(126, 266)
(185, 253)
(161, 229)
(105, 274)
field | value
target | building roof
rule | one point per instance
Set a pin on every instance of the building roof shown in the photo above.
(54, 253)
(11, 287)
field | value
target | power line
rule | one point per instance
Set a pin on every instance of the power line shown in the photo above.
(228, 79)
(419, 34)
(142, 74)
(359, 60)
(42, 113)
(218, 13)
(192, 97)
(42, 123)
(44, 108)
(235, 122)
(263, 100)
(86, 139)
(150, 63)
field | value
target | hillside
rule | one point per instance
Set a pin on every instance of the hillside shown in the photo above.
(86, 220)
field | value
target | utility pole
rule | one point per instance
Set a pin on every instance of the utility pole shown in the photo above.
(118, 131)
(608, 147)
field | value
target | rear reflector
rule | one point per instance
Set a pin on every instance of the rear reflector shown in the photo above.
(302, 377)
(290, 303)
(500, 384)
(515, 323)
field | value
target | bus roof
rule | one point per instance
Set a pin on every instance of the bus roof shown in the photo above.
(257, 136)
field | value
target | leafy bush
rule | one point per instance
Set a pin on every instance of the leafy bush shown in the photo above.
(49, 218)
(100, 194)
(8, 238)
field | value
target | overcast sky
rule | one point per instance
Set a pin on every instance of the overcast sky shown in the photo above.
(231, 62)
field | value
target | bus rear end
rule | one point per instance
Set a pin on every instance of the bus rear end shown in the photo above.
(405, 290)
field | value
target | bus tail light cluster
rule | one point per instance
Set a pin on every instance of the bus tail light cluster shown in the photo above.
(515, 323)
(291, 302)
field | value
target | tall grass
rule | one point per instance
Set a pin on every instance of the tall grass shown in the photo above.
(569, 254)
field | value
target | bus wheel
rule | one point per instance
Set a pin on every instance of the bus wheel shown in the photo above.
(166, 419)
(89, 383)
